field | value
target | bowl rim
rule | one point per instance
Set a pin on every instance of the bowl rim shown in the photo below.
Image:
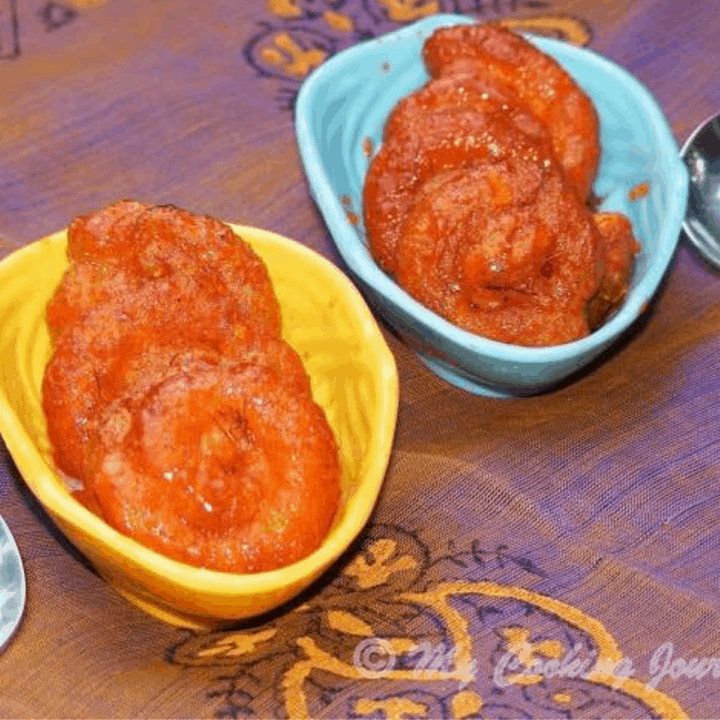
(355, 253)
(45, 483)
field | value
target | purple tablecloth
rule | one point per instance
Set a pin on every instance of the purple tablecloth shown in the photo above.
(579, 525)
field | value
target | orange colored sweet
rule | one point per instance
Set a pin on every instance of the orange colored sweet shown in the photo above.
(219, 464)
(515, 66)
(446, 124)
(503, 250)
(165, 258)
(619, 248)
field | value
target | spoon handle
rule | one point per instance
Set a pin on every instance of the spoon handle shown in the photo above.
(12, 585)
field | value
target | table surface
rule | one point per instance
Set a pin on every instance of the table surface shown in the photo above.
(555, 527)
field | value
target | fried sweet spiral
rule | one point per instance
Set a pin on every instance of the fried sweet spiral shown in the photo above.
(232, 444)
(164, 256)
(503, 250)
(444, 125)
(517, 68)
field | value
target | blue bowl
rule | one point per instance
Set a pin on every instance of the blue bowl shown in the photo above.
(346, 102)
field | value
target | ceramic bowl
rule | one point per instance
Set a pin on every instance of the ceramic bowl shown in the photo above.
(340, 114)
(354, 379)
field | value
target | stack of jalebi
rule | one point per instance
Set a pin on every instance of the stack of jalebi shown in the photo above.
(477, 201)
(174, 407)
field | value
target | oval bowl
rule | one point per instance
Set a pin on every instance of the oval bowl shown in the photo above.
(340, 113)
(354, 378)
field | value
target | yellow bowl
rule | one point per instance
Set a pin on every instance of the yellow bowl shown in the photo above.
(354, 379)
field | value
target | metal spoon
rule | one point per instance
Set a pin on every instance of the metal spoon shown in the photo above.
(12, 585)
(701, 154)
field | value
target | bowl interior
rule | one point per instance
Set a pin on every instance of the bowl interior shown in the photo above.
(353, 376)
(340, 115)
